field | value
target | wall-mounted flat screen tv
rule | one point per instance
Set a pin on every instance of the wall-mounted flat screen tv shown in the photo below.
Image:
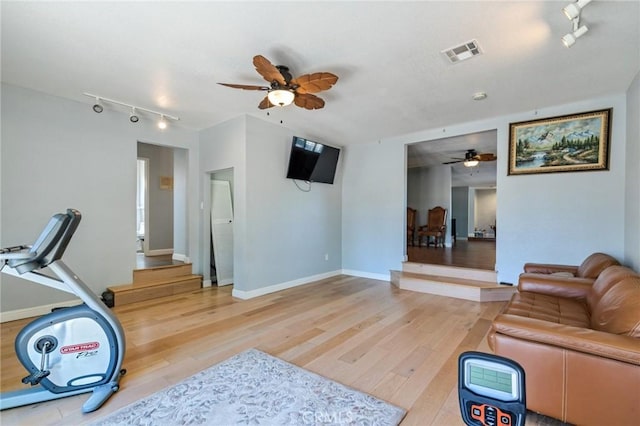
(312, 161)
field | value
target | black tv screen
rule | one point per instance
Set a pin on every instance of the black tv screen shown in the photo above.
(312, 161)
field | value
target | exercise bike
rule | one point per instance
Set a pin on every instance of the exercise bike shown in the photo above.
(71, 350)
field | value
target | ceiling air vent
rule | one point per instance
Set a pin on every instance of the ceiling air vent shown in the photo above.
(464, 51)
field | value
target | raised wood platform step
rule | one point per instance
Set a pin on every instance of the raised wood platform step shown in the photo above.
(462, 283)
(156, 282)
(161, 273)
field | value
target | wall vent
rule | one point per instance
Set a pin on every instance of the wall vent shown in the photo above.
(464, 51)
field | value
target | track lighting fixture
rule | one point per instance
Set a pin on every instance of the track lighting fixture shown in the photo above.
(572, 11)
(97, 107)
(133, 116)
(570, 39)
(162, 124)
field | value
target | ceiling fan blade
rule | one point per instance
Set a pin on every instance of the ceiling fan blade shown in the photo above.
(264, 104)
(308, 101)
(314, 83)
(486, 157)
(454, 162)
(244, 86)
(267, 70)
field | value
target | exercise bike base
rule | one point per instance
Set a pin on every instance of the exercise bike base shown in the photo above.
(33, 395)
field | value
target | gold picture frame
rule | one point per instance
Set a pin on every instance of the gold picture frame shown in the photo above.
(567, 143)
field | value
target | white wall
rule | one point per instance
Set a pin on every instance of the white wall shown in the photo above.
(632, 189)
(56, 154)
(555, 217)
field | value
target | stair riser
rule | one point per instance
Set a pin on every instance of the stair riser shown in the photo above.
(144, 276)
(466, 292)
(451, 271)
(148, 293)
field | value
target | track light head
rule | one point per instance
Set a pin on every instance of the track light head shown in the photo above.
(162, 124)
(133, 117)
(97, 107)
(570, 39)
(572, 11)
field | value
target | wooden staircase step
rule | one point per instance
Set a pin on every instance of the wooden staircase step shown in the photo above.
(452, 286)
(161, 273)
(130, 293)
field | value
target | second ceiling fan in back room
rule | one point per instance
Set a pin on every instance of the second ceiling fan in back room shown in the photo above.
(472, 158)
(283, 89)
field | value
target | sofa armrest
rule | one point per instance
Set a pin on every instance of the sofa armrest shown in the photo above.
(608, 345)
(570, 287)
(546, 268)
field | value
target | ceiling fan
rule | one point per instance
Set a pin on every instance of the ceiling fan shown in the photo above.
(472, 158)
(283, 89)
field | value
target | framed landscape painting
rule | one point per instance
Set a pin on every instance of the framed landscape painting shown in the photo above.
(568, 143)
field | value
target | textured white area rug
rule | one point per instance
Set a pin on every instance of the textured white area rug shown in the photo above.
(253, 388)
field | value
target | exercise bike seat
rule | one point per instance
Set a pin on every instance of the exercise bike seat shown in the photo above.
(49, 246)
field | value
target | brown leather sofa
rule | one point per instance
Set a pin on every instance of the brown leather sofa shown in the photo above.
(579, 344)
(591, 267)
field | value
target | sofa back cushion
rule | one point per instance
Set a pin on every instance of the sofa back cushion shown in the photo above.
(615, 302)
(593, 265)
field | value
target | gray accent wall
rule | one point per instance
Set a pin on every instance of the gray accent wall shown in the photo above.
(161, 208)
(56, 154)
(281, 234)
(632, 177)
(542, 218)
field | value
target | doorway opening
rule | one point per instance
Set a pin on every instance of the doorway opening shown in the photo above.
(221, 219)
(437, 176)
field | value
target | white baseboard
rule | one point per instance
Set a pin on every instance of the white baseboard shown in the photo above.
(240, 294)
(181, 258)
(362, 274)
(206, 283)
(35, 311)
(159, 252)
(222, 283)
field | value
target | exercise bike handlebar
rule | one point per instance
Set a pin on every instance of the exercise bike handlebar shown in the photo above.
(16, 252)
(49, 246)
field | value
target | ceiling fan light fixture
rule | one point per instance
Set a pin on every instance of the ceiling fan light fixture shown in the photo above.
(281, 97)
(471, 163)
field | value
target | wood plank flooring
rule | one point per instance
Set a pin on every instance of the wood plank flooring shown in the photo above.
(395, 344)
(467, 254)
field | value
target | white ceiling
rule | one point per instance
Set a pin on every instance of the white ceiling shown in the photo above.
(394, 80)
(439, 151)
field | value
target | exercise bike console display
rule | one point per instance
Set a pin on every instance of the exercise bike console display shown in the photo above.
(491, 390)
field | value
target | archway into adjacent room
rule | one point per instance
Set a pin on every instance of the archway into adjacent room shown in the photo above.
(468, 194)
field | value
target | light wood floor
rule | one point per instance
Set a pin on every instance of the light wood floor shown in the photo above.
(395, 344)
(467, 254)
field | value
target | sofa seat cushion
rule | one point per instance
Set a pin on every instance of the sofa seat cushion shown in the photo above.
(549, 308)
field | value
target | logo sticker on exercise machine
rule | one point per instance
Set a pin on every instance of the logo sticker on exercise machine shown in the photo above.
(81, 347)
